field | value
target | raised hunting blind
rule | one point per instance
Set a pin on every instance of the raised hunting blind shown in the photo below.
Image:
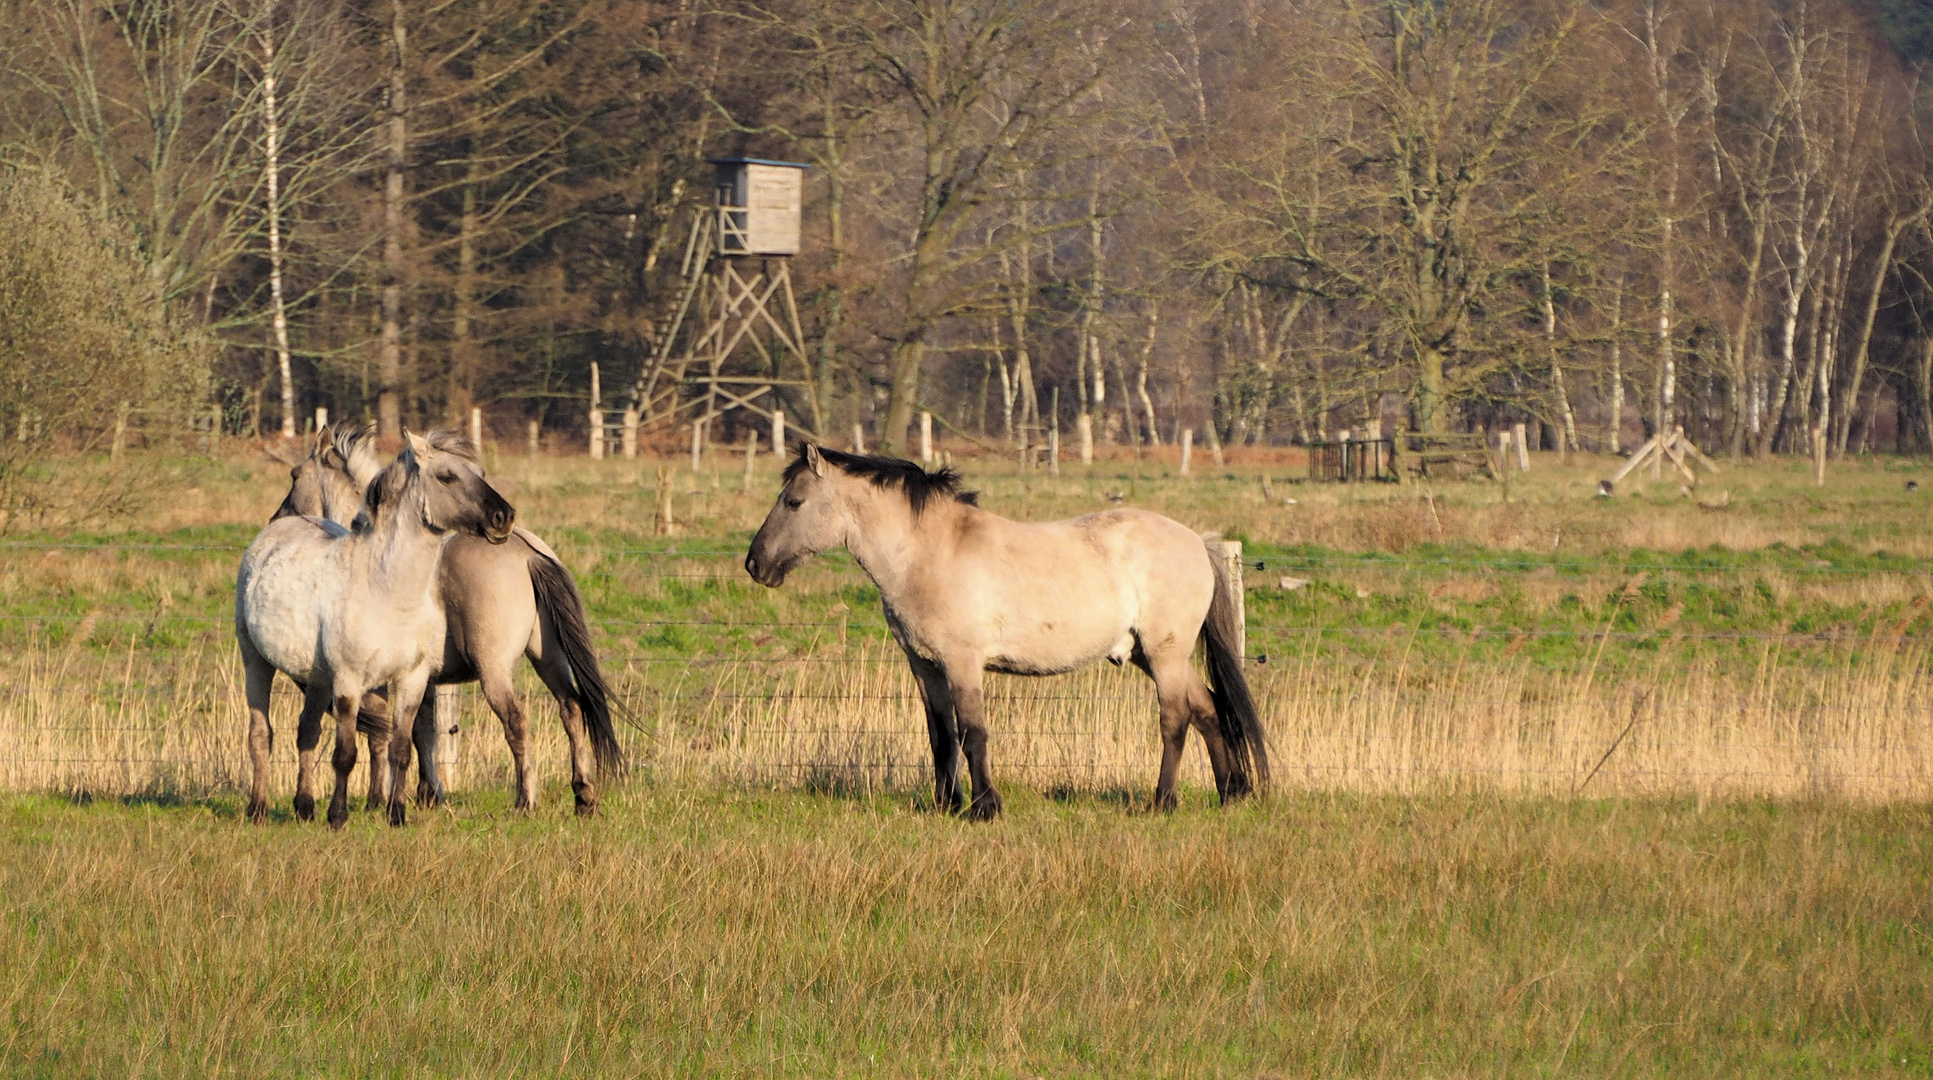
(759, 203)
(734, 340)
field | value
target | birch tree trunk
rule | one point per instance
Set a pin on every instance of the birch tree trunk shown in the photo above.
(389, 363)
(272, 169)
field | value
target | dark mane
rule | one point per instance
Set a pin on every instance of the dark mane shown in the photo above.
(915, 483)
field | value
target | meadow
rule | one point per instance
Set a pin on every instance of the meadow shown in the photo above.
(1629, 785)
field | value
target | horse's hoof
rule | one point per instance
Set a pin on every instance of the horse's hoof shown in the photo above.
(374, 802)
(984, 808)
(1166, 804)
(258, 811)
(428, 797)
(305, 807)
(398, 814)
(338, 813)
(587, 808)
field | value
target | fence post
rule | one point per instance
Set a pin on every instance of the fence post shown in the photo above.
(449, 740)
(661, 513)
(1231, 584)
(321, 417)
(697, 442)
(1187, 448)
(778, 432)
(859, 438)
(120, 432)
(631, 433)
(1517, 434)
(926, 437)
(476, 427)
(534, 428)
(751, 455)
(1053, 451)
(597, 416)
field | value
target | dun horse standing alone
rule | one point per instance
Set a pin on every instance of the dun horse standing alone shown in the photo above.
(967, 591)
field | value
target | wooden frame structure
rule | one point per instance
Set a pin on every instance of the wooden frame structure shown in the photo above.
(735, 333)
(1672, 447)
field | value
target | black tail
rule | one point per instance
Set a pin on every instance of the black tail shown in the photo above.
(558, 601)
(1248, 753)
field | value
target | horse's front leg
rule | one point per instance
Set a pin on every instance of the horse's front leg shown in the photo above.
(963, 684)
(940, 734)
(405, 698)
(347, 702)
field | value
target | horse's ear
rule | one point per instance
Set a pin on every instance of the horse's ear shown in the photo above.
(418, 445)
(814, 461)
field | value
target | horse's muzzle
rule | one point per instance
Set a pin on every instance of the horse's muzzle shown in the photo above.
(497, 529)
(769, 576)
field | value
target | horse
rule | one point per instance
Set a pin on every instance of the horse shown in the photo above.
(340, 610)
(967, 591)
(499, 602)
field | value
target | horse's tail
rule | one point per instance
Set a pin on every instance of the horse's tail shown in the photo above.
(559, 603)
(1241, 726)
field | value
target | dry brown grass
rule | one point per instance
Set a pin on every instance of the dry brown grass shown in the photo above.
(849, 718)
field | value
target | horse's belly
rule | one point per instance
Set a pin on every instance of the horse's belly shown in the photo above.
(1050, 647)
(286, 636)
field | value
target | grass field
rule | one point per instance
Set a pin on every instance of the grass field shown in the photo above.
(1566, 785)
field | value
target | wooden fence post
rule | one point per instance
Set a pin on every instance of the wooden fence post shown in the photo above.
(631, 433)
(321, 417)
(1053, 451)
(697, 442)
(661, 513)
(476, 428)
(597, 416)
(534, 429)
(778, 432)
(926, 437)
(1523, 451)
(751, 455)
(1187, 448)
(859, 438)
(1231, 584)
(449, 740)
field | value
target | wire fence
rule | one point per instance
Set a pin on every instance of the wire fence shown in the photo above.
(125, 702)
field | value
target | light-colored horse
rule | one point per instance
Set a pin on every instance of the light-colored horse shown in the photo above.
(967, 591)
(500, 601)
(341, 610)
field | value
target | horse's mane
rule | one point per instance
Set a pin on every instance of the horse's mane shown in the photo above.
(915, 483)
(357, 448)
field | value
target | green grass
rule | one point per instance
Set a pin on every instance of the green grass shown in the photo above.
(734, 933)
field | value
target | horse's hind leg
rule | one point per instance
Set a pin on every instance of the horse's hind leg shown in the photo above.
(406, 697)
(1184, 701)
(427, 735)
(555, 671)
(344, 757)
(940, 734)
(378, 736)
(502, 696)
(260, 679)
(308, 733)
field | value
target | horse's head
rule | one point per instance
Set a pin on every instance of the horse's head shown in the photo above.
(329, 482)
(439, 478)
(808, 518)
